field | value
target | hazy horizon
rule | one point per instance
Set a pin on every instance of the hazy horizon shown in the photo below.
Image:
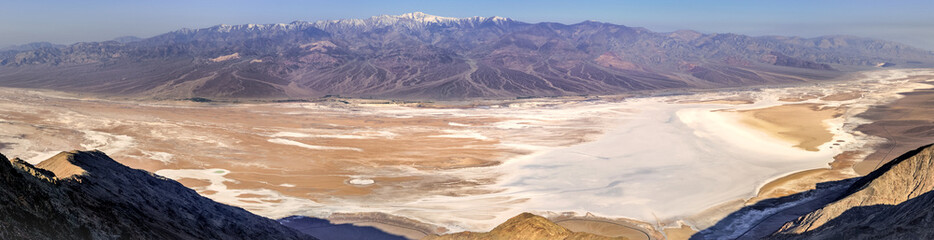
(63, 22)
(795, 119)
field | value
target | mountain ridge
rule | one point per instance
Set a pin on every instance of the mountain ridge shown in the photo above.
(421, 56)
(97, 198)
(525, 226)
(892, 202)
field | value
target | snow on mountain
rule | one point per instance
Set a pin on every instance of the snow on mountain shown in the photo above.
(414, 20)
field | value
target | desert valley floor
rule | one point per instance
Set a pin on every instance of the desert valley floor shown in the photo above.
(662, 160)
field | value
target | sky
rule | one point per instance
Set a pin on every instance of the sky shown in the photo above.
(66, 22)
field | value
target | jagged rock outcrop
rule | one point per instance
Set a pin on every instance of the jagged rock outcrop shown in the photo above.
(87, 195)
(524, 226)
(893, 202)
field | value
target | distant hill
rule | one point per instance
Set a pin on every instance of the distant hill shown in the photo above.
(32, 46)
(525, 226)
(127, 39)
(420, 56)
(87, 195)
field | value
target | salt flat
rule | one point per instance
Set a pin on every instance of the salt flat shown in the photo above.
(654, 159)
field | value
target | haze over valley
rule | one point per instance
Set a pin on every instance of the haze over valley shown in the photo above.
(418, 126)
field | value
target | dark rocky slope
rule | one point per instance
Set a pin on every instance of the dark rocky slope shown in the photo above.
(419, 56)
(87, 195)
(325, 230)
(893, 202)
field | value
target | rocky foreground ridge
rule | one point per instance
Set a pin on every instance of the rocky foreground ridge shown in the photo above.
(88, 195)
(893, 202)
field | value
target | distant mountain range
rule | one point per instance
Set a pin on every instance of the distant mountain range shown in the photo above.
(420, 56)
(32, 47)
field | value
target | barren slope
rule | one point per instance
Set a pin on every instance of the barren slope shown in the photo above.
(419, 56)
(524, 226)
(87, 195)
(893, 202)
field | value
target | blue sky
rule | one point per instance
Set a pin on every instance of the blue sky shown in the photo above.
(909, 21)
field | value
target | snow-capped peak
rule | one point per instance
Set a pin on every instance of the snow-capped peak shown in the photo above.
(410, 20)
(423, 17)
(428, 18)
(413, 20)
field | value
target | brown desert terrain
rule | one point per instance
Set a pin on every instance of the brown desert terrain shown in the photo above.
(907, 123)
(368, 162)
(799, 123)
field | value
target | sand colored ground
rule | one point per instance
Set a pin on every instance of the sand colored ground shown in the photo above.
(851, 153)
(728, 101)
(310, 158)
(851, 163)
(61, 165)
(682, 233)
(801, 97)
(789, 185)
(236, 138)
(906, 124)
(192, 183)
(843, 96)
(603, 228)
(806, 180)
(284, 159)
(801, 124)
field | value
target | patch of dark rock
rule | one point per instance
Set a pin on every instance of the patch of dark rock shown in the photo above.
(325, 230)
